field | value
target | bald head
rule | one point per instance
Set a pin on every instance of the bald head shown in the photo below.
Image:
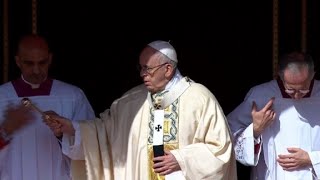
(33, 58)
(32, 43)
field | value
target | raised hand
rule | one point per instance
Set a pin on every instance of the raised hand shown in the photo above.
(263, 118)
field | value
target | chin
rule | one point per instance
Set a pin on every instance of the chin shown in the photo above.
(150, 89)
(36, 81)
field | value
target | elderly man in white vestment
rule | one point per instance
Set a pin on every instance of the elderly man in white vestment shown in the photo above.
(169, 128)
(277, 127)
(34, 151)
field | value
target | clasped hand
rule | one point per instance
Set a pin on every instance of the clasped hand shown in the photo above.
(297, 159)
(166, 164)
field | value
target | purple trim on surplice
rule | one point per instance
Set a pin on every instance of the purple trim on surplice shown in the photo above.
(23, 89)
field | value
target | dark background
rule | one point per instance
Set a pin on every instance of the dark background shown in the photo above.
(227, 46)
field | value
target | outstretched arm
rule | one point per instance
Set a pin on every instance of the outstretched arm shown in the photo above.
(71, 140)
(58, 124)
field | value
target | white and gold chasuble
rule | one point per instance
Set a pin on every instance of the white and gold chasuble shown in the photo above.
(118, 145)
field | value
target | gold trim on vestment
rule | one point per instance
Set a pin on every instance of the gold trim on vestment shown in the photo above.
(170, 135)
(152, 174)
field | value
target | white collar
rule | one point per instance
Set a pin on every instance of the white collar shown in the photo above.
(175, 79)
(33, 86)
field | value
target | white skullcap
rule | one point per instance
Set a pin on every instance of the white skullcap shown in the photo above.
(165, 48)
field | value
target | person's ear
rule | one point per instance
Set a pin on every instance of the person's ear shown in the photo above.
(18, 62)
(169, 69)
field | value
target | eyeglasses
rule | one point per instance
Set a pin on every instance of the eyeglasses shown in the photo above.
(295, 91)
(150, 70)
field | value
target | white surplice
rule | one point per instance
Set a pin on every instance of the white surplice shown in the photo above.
(34, 152)
(296, 125)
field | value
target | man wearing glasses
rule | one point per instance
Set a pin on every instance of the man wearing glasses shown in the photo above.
(277, 127)
(167, 128)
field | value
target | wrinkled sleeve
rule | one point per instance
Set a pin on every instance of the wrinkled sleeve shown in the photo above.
(240, 121)
(245, 145)
(72, 145)
(315, 160)
(89, 147)
(211, 154)
(96, 147)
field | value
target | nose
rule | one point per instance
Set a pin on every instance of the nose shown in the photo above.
(143, 73)
(297, 96)
(36, 69)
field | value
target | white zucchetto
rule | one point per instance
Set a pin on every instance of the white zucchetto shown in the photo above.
(165, 48)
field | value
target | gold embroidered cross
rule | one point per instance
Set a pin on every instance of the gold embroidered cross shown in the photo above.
(157, 98)
(157, 102)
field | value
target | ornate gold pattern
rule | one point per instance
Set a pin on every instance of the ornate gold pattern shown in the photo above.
(170, 135)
